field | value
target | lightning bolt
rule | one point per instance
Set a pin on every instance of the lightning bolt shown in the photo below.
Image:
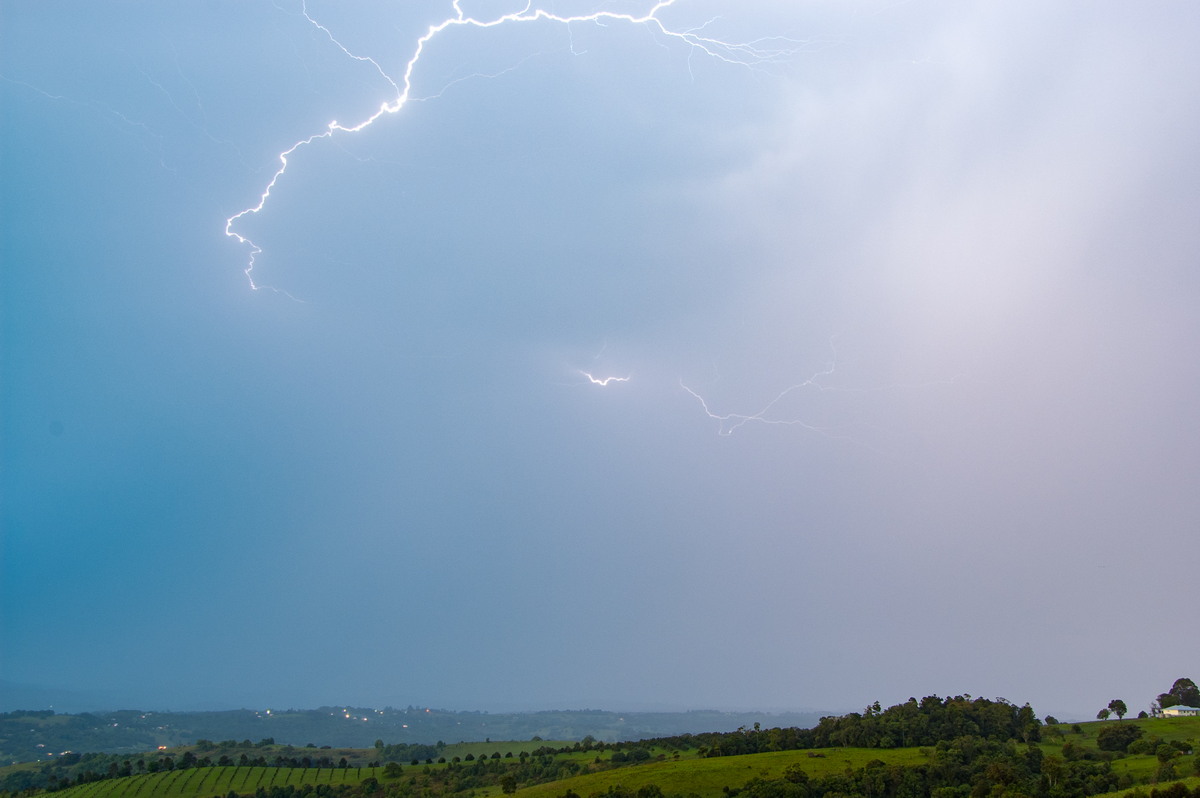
(728, 423)
(604, 381)
(749, 54)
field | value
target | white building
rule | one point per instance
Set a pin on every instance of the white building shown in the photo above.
(1179, 711)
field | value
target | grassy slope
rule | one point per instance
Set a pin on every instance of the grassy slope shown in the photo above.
(1140, 767)
(688, 774)
(1191, 784)
(708, 777)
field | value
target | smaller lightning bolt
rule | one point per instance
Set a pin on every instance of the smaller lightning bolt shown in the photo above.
(604, 381)
(729, 422)
(128, 124)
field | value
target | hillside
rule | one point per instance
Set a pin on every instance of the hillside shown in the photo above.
(994, 758)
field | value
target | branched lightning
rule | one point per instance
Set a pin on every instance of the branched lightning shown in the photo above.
(747, 54)
(729, 422)
(773, 413)
(127, 122)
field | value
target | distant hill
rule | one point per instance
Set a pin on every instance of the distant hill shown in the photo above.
(33, 735)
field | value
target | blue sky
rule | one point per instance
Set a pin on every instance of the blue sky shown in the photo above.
(908, 317)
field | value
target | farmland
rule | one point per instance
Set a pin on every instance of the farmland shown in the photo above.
(1056, 761)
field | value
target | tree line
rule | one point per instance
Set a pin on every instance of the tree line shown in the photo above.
(911, 724)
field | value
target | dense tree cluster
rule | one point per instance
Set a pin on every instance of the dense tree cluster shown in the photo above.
(1183, 693)
(407, 752)
(1118, 737)
(930, 721)
(913, 723)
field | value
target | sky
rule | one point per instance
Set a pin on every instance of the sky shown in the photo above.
(617, 368)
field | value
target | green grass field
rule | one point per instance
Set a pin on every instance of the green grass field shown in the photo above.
(1166, 728)
(1141, 768)
(1191, 784)
(709, 776)
(686, 774)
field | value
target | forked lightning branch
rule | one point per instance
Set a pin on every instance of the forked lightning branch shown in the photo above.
(694, 40)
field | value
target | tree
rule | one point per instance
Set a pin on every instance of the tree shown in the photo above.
(1183, 693)
(795, 773)
(1028, 726)
(1053, 768)
(1117, 737)
(1103, 714)
(1118, 708)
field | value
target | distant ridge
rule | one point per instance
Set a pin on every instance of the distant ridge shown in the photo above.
(36, 734)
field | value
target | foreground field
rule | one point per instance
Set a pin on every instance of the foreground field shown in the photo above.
(1141, 768)
(1192, 784)
(711, 777)
(685, 775)
(220, 781)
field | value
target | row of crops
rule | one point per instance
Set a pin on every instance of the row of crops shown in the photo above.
(209, 781)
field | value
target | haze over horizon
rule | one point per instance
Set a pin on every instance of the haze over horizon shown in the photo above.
(605, 373)
(16, 697)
